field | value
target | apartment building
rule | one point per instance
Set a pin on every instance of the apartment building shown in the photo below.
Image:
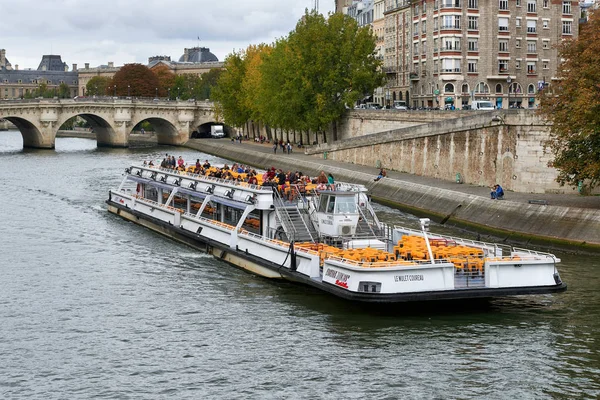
(397, 56)
(498, 50)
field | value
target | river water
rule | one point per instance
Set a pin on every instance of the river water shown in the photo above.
(92, 306)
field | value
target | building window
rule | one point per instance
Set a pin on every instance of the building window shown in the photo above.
(416, 29)
(472, 65)
(531, 88)
(424, 27)
(435, 24)
(518, 64)
(502, 66)
(567, 27)
(424, 7)
(546, 3)
(503, 5)
(451, 43)
(450, 3)
(531, 46)
(545, 45)
(415, 48)
(503, 24)
(531, 25)
(416, 9)
(518, 22)
(465, 88)
(472, 4)
(450, 65)
(545, 23)
(531, 67)
(482, 88)
(451, 22)
(473, 44)
(498, 88)
(518, 43)
(424, 46)
(449, 88)
(518, 3)
(566, 7)
(472, 23)
(545, 65)
(503, 45)
(531, 6)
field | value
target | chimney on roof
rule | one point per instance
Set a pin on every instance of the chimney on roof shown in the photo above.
(74, 67)
(44, 67)
(16, 67)
(87, 65)
(66, 67)
(111, 64)
(2, 57)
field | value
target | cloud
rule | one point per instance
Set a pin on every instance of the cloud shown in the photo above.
(124, 31)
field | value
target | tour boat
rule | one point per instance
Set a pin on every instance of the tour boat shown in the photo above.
(328, 239)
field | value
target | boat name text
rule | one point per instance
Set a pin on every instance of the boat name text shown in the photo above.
(408, 278)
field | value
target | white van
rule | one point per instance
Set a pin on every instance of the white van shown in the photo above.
(400, 105)
(484, 105)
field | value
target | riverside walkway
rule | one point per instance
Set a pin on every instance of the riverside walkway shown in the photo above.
(570, 219)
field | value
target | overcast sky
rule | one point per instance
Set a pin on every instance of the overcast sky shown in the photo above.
(126, 31)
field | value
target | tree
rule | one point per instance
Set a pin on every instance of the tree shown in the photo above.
(227, 92)
(208, 81)
(134, 80)
(572, 104)
(97, 86)
(166, 79)
(64, 91)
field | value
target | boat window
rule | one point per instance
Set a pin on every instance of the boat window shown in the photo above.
(323, 203)
(331, 204)
(346, 205)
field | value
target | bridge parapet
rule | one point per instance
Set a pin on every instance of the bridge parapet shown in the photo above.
(111, 118)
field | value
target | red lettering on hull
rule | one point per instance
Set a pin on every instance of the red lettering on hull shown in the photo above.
(342, 284)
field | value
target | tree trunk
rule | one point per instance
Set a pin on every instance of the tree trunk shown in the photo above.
(334, 131)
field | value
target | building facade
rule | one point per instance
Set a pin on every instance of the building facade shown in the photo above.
(503, 51)
(17, 83)
(397, 49)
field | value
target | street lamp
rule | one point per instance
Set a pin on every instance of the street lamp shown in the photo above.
(128, 90)
(156, 91)
(22, 92)
(508, 81)
(169, 94)
(387, 97)
(115, 90)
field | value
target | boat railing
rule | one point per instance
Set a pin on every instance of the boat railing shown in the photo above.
(383, 264)
(533, 253)
(211, 179)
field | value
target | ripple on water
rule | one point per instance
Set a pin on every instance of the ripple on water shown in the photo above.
(93, 306)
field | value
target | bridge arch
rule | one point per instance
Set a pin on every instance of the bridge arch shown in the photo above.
(104, 131)
(203, 130)
(32, 136)
(167, 132)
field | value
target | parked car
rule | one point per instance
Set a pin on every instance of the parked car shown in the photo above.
(400, 105)
(484, 105)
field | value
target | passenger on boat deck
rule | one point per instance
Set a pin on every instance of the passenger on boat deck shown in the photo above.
(225, 167)
(206, 164)
(322, 178)
(330, 182)
(173, 162)
(252, 179)
(198, 166)
(240, 169)
(163, 164)
(150, 164)
(180, 162)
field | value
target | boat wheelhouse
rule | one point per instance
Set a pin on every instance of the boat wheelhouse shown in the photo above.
(329, 239)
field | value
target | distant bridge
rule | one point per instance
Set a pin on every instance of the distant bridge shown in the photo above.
(111, 119)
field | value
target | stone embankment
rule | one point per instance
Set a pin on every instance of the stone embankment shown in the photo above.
(548, 219)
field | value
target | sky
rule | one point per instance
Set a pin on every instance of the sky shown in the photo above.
(130, 31)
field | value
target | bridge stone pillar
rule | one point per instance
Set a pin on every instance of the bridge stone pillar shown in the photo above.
(40, 136)
(181, 136)
(117, 137)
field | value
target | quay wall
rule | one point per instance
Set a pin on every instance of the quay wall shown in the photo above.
(473, 149)
(547, 224)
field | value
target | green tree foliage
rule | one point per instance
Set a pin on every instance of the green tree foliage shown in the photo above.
(64, 91)
(573, 106)
(186, 86)
(304, 81)
(227, 92)
(41, 91)
(208, 81)
(137, 80)
(97, 86)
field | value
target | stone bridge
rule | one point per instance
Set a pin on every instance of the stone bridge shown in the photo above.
(111, 119)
